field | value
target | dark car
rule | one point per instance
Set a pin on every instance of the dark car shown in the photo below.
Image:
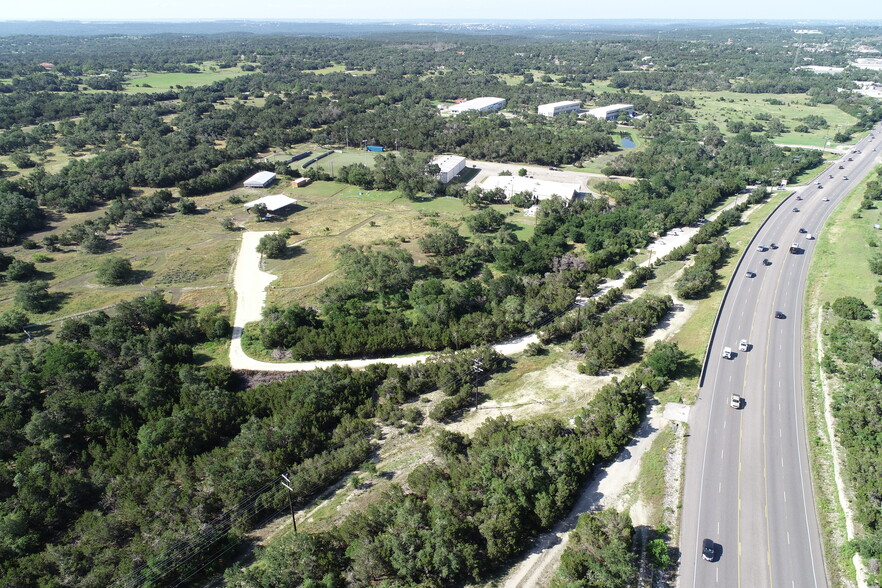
(708, 550)
(795, 210)
(802, 230)
(772, 246)
(750, 274)
(779, 314)
(767, 262)
(841, 167)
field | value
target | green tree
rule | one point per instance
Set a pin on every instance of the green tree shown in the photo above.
(187, 206)
(851, 308)
(259, 210)
(33, 296)
(13, 321)
(21, 271)
(114, 271)
(273, 246)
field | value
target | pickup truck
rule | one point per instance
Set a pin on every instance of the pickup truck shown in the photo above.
(794, 248)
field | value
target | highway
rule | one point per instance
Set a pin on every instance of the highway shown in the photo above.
(748, 486)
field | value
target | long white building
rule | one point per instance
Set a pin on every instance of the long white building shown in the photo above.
(260, 180)
(541, 189)
(555, 108)
(611, 112)
(450, 166)
(484, 104)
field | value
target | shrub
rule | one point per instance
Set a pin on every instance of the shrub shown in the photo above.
(114, 271)
(33, 296)
(851, 308)
(21, 271)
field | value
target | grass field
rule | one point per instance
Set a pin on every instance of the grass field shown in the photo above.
(340, 159)
(721, 107)
(160, 82)
(840, 263)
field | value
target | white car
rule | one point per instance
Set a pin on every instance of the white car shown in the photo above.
(735, 401)
(743, 345)
(825, 199)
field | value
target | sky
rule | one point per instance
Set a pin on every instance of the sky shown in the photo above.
(153, 10)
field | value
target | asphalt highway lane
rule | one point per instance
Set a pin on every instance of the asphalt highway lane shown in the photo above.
(748, 485)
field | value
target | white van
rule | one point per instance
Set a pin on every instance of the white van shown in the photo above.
(809, 236)
(727, 352)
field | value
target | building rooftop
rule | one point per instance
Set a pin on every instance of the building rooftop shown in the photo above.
(261, 178)
(542, 189)
(447, 162)
(272, 202)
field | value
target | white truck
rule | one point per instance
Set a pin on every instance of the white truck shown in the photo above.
(727, 352)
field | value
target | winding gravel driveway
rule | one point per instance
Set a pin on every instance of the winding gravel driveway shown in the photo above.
(251, 283)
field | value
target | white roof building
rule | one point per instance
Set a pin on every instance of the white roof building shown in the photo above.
(554, 108)
(449, 165)
(260, 180)
(611, 112)
(541, 189)
(485, 103)
(273, 202)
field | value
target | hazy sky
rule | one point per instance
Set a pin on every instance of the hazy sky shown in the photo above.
(434, 9)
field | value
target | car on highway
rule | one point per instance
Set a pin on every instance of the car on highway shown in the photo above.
(779, 315)
(766, 261)
(831, 176)
(772, 246)
(708, 550)
(820, 186)
(850, 159)
(750, 274)
(841, 167)
(727, 352)
(743, 345)
(735, 401)
(799, 197)
(760, 248)
(802, 231)
(795, 210)
(844, 177)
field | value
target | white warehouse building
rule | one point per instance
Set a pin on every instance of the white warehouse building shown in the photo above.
(541, 189)
(612, 111)
(450, 166)
(260, 180)
(484, 104)
(555, 108)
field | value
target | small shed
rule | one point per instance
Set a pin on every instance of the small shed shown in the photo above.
(273, 203)
(300, 182)
(260, 180)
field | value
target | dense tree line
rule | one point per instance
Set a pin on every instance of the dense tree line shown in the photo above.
(470, 509)
(123, 453)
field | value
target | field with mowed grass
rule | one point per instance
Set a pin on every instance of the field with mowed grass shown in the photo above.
(209, 73)
(840, 265)
(721, 107)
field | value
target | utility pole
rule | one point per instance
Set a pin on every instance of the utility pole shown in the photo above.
(346, 128)
(396, 138)
(476, 369)
(290, 501)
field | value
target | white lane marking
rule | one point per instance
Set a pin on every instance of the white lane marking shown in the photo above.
(730, 378)
(782, 462)
(720, 490)
(718, 575)
(780, 433)
(785, 496)
(788, 537)
(721, 453)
